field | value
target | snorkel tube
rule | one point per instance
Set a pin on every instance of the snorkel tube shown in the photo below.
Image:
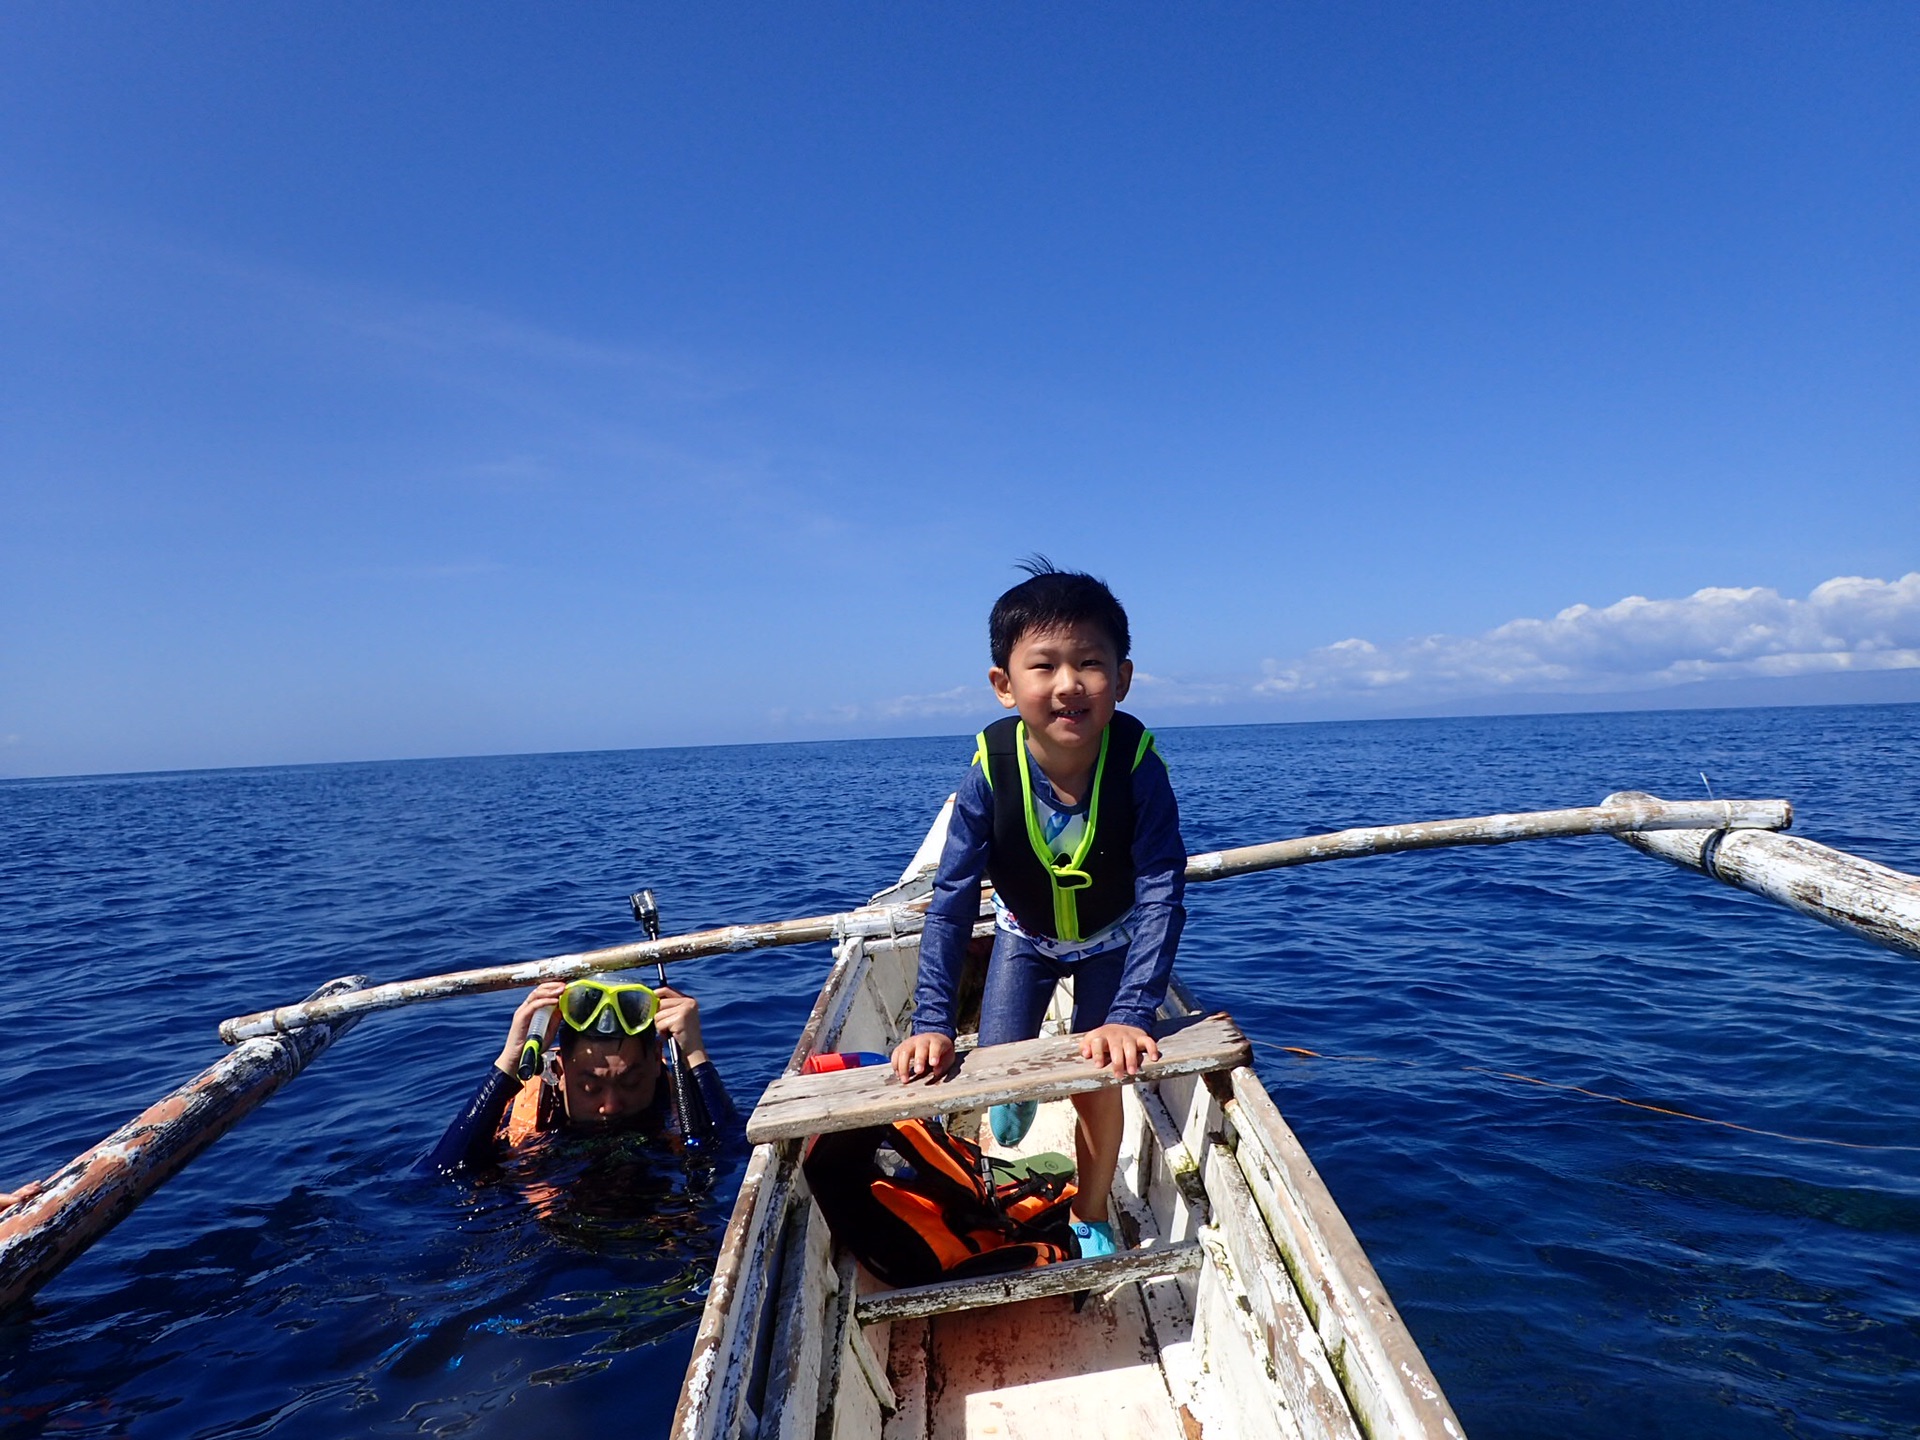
(539, 1038)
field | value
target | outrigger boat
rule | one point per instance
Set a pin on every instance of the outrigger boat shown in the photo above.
(1244, 1305)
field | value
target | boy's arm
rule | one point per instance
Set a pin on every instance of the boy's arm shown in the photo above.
(955, 906)
(1159, 893)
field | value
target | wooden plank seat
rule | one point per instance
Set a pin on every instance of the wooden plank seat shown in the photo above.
(1049, 1068)
(910, 1302)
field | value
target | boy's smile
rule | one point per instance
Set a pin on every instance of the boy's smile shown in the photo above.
(1065, 684)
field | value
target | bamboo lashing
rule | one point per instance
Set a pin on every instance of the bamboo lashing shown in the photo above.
(1620, 814)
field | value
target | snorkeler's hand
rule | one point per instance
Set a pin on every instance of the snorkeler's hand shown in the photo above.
(542, 997)
(678, 1018)
(921, 1057)
(20, 1196)
(1120, 1048)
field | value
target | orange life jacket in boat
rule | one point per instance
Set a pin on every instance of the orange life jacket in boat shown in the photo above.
(916, 1204)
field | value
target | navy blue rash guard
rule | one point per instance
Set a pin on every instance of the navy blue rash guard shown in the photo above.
(472, 1139)
(1154, 923)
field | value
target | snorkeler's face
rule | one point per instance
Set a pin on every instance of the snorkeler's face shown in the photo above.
(605, 1085)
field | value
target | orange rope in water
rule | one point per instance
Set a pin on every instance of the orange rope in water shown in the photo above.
(1596, 1095)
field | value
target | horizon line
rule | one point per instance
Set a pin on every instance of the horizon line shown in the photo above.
(1390, 719)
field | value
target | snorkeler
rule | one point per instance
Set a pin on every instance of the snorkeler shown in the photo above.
(601, 1067)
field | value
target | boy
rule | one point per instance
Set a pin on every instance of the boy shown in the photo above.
(606, 1073)
(1069, 812)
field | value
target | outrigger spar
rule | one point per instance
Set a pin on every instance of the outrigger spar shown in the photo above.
(1620, 815)
(1730, 840)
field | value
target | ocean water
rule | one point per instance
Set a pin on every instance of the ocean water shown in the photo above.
(1570, 1265)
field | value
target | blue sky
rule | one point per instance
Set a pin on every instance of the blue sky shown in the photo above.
(387, 381)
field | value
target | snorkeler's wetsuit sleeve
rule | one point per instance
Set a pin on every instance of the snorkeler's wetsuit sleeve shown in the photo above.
(955, 906)
(469, 1140)
(1159, 894)
(721, 1121)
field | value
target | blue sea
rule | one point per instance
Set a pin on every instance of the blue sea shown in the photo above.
(1571, 1266)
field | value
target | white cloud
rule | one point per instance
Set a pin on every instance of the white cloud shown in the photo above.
(1633, 645)
(961, 708)
(1848, 623)
(960, 700)
(1159, 690)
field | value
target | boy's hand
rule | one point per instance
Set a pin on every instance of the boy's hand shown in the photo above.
(679, 1020)
(545, 994)
(20, 1196)
(1121, 1048)
(922, 1057)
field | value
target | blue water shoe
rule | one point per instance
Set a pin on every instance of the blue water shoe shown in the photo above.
(1093, 1238)
(1011, 1121)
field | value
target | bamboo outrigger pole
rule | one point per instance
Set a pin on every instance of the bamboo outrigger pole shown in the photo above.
(1619, 815)
(1627, 811)
(1876, 902)
(92, 1193)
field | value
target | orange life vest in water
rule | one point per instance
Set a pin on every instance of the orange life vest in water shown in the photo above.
(535, 1110)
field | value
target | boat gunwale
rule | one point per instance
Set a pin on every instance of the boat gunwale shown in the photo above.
(712, 1385)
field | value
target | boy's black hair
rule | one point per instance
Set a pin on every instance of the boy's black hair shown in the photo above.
(1050, 600)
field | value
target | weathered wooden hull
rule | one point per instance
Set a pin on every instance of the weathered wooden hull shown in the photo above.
(1267, 1321)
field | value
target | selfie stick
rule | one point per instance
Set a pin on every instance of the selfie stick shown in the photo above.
(647, 913)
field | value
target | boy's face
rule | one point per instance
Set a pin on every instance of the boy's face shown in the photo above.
(1065, 684)
(603, 1085)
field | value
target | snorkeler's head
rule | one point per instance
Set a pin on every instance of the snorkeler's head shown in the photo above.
(608, 1052)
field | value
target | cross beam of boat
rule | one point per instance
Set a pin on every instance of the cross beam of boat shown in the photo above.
(1637, 813)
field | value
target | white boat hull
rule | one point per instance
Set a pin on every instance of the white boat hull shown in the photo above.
(1277, 1327)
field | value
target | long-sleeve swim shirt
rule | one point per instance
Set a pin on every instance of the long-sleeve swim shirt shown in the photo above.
(1153, 924)
(473, 1138)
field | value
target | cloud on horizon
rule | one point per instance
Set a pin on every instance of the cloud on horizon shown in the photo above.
(1850, 624)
